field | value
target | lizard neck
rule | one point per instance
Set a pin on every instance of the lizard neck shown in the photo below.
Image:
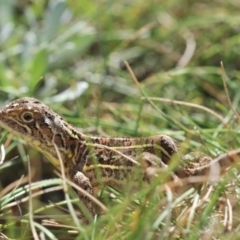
(61, 140)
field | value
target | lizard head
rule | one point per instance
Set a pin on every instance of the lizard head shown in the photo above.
(35, 123)
(28, 118)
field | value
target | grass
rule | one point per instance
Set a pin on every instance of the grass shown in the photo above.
(71, 54)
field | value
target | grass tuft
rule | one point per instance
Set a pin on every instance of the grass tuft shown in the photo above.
(73, 56)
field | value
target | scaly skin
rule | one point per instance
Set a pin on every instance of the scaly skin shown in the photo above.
(91, 161)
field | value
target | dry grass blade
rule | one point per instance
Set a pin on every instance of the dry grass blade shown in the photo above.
(229, 219)
(14, 185)
(2, 154)
(189, 105)
(185, 217)
(36, 194)
(34, 231)
(114, 149)
(226, 91)
(65, 189)
(91, 197)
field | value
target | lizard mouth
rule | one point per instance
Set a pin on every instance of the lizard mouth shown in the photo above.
(16, 129)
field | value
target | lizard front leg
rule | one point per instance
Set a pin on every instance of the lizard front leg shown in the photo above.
(83, 181)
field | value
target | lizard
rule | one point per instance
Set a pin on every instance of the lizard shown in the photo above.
(92, 161)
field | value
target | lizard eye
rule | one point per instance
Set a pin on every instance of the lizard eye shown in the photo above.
(27, 117)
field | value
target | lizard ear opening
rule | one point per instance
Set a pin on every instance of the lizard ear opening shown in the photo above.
(27, 117)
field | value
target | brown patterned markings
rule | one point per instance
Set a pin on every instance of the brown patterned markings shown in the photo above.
(58, 140)
(113, 142)
(127, 143)
(104, 141)
(46, 131)
(110, 175)
(154, 145)
(78, 151)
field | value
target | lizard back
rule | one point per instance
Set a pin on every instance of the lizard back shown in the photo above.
(43, 129)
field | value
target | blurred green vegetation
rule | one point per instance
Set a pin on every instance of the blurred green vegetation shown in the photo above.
(70, 54)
